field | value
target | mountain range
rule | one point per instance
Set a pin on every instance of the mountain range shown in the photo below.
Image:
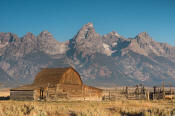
(101, 60)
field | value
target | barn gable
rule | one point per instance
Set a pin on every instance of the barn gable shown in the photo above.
(71, 77)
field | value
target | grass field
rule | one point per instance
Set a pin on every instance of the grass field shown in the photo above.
(87, 108)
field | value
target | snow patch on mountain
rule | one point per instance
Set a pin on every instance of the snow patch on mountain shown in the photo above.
(3, 45)
(107, 51)
(114, 44)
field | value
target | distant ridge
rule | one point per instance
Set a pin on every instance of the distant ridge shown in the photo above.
(101, 60)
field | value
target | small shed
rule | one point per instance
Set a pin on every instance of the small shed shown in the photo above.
(53, 84)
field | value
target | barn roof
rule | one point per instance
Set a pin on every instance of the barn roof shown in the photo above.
(30, 87)
(52, 75)
(45, 76)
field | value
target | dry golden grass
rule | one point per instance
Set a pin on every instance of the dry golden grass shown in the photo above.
(87, 108)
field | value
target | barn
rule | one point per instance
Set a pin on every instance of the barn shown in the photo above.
(54, 84)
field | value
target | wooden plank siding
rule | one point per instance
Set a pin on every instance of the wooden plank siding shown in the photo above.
(21, 95)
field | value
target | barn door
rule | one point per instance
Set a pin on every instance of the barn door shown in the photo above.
(41, 93)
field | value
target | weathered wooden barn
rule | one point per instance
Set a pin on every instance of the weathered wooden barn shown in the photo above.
(53, 84)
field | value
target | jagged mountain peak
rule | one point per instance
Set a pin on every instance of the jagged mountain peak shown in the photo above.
(2, 33)
(44, 32)
(143, 34)
(87, 27)
(45, 35)
(89, 24)
(111, 35)
(29, 35)
(8, 37)
(7, 34)
(143, 44)
(87, 31)
(114, 33)
(28, 38)
(143, 37)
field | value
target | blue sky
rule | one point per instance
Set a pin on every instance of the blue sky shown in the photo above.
(63, 18)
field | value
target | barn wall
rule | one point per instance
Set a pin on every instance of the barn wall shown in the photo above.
(21, 95)
(92, 93)
(73, 92)
(65, 92)
(36, 94)
(51, 92)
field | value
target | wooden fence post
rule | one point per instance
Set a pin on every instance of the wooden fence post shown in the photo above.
(163, 90)
(56, 92)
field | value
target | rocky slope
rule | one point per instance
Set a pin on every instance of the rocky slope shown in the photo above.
(101, 60)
